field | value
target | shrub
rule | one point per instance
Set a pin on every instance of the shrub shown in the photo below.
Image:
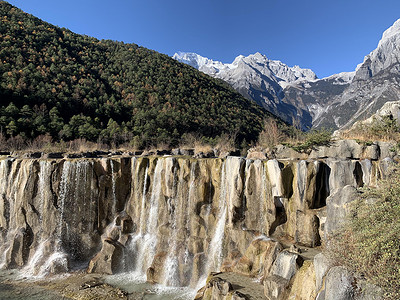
(370, 243)
(311, 139)
(271, 135)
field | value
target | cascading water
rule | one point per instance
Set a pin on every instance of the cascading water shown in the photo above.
(275, 177)
(215, 248)
(190, 208)
(262, 195)
(229, 183)
(44, 176)
(65, 178)
(42, 197)
(4, 170)
(114, 194)
(146, 240)
(170, 275)
(143, 204)
(58, 258)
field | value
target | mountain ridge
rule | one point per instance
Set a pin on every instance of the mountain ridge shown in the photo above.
(334, 102)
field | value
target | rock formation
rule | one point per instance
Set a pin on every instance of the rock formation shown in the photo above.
(174, 220)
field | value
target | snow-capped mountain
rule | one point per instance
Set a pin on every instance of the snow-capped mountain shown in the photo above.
(277, 70)
(255, 77)
(376, 81)
(298, 96)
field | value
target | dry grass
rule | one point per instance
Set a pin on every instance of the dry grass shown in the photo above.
(369, 244)
(44, 143)
(226, 143)
(382, 129)
(195, 141)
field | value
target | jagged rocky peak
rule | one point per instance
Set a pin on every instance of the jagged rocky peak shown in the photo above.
(201, 63)
(340, 78)
(384, 56)
(248, 66)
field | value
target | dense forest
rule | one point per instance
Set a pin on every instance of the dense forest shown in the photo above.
(70, 86)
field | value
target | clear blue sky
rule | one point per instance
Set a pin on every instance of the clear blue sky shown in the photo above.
(327, 36)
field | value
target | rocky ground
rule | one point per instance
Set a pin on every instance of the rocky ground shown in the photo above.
(78, 286)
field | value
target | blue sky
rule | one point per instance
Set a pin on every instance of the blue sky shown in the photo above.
(326, 36)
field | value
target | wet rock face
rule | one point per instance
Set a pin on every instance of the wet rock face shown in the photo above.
(172, 219)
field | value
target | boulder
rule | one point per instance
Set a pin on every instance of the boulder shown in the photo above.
(155, 272)
(368, 291)
(108, 260)
(339, 284)
(216, 289)
(338, 208)
(342, 173)
(321, 266)
(385, 166)
(286, 264)
(258, 257)
(307, 229)
(303, 286)
(387, 149)
(285, 152)
(256, 155)
(275, 287)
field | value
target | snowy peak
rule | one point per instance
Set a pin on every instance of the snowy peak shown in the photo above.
(255, 64)
(201, 63)
(384, 56)
(390, 33)
(341, 78)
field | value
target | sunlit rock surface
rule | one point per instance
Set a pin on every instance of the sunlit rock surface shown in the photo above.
(174, 220)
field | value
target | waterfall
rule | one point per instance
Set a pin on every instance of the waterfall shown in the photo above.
(58, 258)
(44, 177)
(64, 184)
(143, 204)
(31, 268)
(114, 196)
(190, 206)
(170, 275)
(4, 169)
(275, 177)
(146, 240)
(215, 248)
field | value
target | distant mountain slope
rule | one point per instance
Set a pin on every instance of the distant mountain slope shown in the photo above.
(297, 95)
(74, 86)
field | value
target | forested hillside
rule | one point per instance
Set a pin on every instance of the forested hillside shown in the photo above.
(73, 86)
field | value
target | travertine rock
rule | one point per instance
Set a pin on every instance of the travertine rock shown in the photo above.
(321, 265)
(108, 260)
(338, 284)
(175, 219)
(303, 287)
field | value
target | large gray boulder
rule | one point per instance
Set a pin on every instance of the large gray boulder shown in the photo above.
(343, 149)
(339, 284)
(338, 209)
(286, 264)
(321, 265)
